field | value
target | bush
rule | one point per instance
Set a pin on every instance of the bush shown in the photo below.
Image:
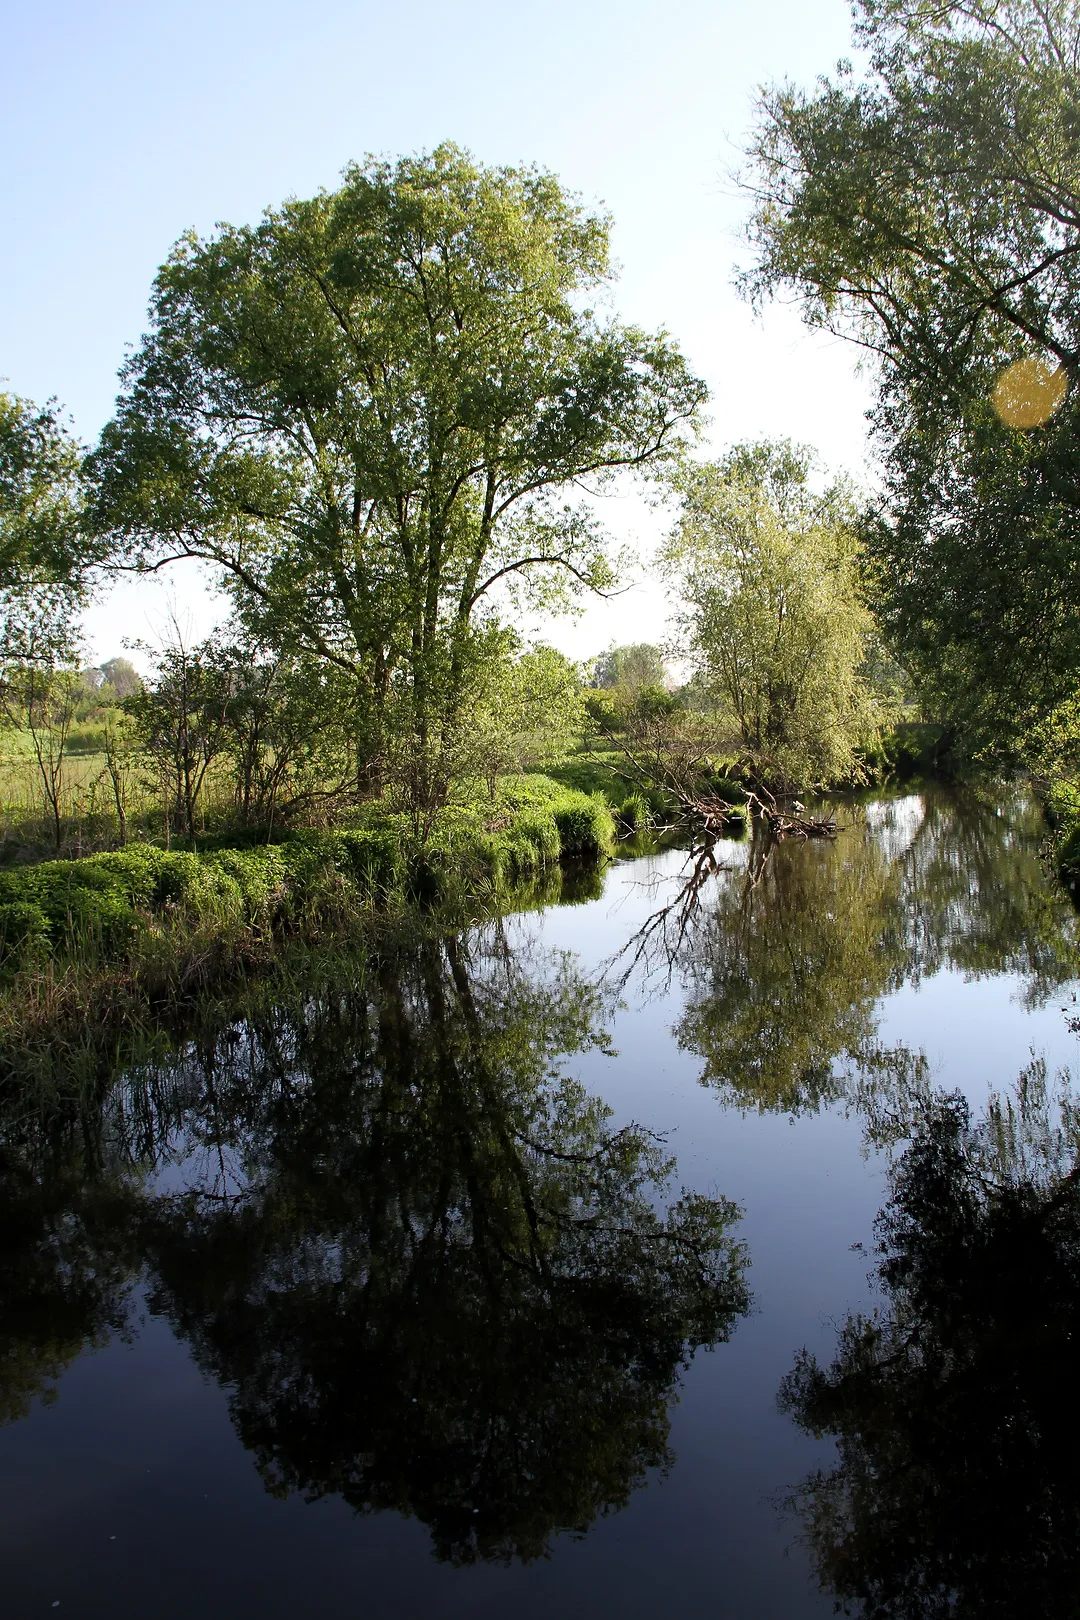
(87, 739)
(586, 828)
(81, 903)
(1063, 813)
(726, 789)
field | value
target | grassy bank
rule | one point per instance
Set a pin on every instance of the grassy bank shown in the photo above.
(104, 936)
(1061, 801)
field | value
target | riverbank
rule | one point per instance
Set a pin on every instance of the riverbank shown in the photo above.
(98, 941)
(1061, 802)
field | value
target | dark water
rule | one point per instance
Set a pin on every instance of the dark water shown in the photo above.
(477, 1280)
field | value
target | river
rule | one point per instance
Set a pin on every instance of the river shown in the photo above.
(474, 1277)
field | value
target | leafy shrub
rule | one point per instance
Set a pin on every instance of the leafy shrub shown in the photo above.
(81, 902)
(258, 875)
(726, 789)
(87, 739)
(586, 828)
(1063, 814)
(102, 902)
(24, 932)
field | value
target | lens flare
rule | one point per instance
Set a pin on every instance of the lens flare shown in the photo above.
(1028, 393)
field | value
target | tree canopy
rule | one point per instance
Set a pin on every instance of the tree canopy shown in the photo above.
(931, 212)
(43, 546)
(368, 409)
(634, 666)
(773, 615)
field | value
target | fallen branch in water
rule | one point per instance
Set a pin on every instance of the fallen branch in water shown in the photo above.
(791, 822)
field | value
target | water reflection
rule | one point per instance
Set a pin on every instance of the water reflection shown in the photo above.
(66, 1268)
(955, 1407)
(430, 1274)
(787, 956)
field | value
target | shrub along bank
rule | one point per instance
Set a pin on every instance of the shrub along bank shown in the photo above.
(114, 906)
(1062, 804)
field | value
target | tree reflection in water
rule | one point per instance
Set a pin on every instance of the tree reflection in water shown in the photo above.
(428, 1271)
(956, 1407)
(788, 954)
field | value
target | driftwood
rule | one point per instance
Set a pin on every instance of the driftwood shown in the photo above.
(789, 821)
(682, 773)
(783, 821)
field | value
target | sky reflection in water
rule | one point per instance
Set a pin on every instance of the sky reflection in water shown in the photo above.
(442, 1241)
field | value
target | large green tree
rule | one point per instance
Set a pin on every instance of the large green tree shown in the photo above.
(367, 412)
(44, 551)
(930, 211)
(773, 615)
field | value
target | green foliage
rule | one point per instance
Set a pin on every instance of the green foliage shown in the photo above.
(85, 739)
(726, 788)
(513, 709)
(631, 667)
(1063, 813)
(774, 614)
(44, 551)
(289, 730)
(104, 905)
(913, 748)
(24, 934)
(121, 676)
(41, 697)
(634, 812)
(585, 829)
(370, 409)
(1053, 746)
(593, 773)
(40, 493)
(180, 718)
(930, 213)
(530, 709)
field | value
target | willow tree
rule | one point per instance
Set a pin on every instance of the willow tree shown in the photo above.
(929, 211)
(369, 411)
(773, 614)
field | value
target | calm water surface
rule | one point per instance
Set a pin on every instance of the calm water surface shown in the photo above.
(477, 1280)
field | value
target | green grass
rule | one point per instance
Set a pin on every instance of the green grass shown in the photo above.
(115, 905)
(602, 774)
(593, 773)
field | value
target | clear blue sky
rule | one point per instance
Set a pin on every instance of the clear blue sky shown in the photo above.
(125, 123)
